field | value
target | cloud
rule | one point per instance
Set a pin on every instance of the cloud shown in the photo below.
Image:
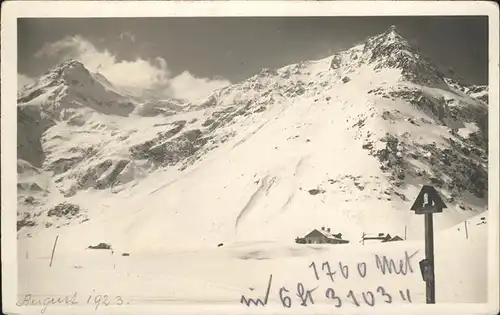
(145, 74)
(139, 73)
(127, 36)
(23, 80)
(186, 86)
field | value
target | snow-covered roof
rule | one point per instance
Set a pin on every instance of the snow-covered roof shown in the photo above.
(326, 234)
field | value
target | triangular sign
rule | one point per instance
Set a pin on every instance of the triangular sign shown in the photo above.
(428, 200)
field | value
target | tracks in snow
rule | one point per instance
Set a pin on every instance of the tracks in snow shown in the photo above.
(263, 190)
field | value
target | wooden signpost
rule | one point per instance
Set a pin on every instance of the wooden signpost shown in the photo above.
(427, 203)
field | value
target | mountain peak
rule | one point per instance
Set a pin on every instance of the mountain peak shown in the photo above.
(391, 36)
(391, 50)
(392, 29)
(71, 63)
(64, 72)
(70, 66)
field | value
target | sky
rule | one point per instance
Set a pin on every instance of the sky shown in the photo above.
(187, 58)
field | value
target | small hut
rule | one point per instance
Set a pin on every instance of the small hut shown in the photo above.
(382, 237)
(394, 239)
(322, 236)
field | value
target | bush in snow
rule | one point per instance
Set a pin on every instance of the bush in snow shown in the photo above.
(316, 191)
(100, 246)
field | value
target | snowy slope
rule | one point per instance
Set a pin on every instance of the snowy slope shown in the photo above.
(196, 277)
(344, 142)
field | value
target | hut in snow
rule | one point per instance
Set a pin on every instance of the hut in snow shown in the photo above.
(323, 236)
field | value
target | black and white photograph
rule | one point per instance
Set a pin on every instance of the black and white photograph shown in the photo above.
(282, 162)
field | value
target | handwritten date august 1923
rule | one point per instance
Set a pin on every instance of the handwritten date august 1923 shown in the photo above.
(96, 300)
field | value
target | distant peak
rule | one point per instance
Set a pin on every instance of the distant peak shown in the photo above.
(388, 42)
(71, 63)
(392, 34)
(64, 71)
(392, 29)
(391, 50)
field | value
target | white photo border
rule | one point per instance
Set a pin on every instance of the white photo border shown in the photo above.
(11, 10)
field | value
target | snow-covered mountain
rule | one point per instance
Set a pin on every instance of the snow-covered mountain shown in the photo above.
(345, 141)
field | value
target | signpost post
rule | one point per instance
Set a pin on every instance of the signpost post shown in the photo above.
(427, 203)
